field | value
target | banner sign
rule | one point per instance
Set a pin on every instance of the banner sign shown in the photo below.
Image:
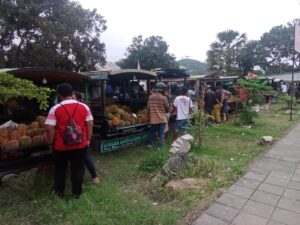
(123, 142)
(297, 38)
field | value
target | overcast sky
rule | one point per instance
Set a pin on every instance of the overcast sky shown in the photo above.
(188, 26)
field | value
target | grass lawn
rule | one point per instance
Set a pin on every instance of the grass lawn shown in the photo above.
(126, 195)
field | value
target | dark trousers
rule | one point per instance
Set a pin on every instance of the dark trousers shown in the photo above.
(90, 165)
(61, 162)
(159, 128)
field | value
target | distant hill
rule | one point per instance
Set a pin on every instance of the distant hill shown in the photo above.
(194, 66)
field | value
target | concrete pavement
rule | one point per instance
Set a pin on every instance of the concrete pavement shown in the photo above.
(268, 194)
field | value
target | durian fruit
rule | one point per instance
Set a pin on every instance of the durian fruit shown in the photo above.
(41, 120)
(14, 135)
(33, 125)
(117, 115)
(122, 123)
(110, 116)
(120, 111)
(145, 119)
(45, 137)
(110, 125)
(138, 120)
(127, 123)
(23, 129)
(11, 145)
(113, 109)
(126, 108)
(106, 111)
(34, 132)
(25, 141)
(115, 121)
(132, 121)
(37, 140)
(3, 141)
(126, 116)
(4, 132)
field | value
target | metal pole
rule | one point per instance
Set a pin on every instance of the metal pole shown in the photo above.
(292, 89)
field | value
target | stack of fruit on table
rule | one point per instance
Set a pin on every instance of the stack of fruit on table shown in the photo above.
(22, 136)
(122, 116)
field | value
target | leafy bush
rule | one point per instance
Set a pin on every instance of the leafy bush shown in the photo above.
(287, 100)
(12, 87)
(154, 162)
(247, 116)
(201, 167)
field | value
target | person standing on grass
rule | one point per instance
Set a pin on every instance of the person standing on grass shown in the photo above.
(209, 101)
(63, 119)
(183, 106)
(88, 161)
(224, 102)
(158, 105)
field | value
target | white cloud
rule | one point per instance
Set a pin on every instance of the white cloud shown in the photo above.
(188, 26)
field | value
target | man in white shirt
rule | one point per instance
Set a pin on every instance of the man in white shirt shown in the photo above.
(182, 105)
(284, 88)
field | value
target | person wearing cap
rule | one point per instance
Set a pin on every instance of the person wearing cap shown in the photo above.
(65, 154)
(158, 105)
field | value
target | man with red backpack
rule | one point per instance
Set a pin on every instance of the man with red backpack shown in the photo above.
(69, 130)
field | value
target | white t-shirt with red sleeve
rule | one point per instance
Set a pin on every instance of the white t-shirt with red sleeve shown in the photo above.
(183, 105)
(59, 118)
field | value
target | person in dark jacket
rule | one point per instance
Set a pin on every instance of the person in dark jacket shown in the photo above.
(88, 161)
(209, 101)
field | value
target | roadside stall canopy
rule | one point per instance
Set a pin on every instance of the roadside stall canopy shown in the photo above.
(46, 76)
(214, 78)
(96, 75)
(131, 74)
(172, 73)
(287, 77)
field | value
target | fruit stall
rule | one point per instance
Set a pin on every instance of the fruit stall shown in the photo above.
(22, 129)
(117, 100)
(122, 118)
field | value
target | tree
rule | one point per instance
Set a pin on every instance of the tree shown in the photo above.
(150, 53)
(277, 49)
(222, 57)
(250, 56)
(12, 87)
(194, 66)
(50, 33)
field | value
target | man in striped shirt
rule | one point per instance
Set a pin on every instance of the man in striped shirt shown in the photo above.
(158, 106)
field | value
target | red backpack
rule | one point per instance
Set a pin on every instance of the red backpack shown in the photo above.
(72, 134)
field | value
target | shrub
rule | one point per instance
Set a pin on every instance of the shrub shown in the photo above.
(153, 162)
(247, 116)
(287, 100)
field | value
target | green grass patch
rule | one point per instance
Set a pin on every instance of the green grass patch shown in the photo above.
(127, 195)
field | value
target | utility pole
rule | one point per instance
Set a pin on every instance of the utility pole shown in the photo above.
(187, 62)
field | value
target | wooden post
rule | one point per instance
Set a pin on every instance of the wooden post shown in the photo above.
(86, 91)
(200, 126)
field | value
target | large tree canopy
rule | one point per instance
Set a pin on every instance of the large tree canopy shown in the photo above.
(277, 49)
(53, 33)
(222, 57)
(150, 53)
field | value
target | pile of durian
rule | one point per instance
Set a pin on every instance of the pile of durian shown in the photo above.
(23, 135)
(122, 116)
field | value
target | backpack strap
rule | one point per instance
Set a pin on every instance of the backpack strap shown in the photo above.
(70, 117)
(74, 110)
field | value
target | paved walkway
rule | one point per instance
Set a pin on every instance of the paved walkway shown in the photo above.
(268, 194)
